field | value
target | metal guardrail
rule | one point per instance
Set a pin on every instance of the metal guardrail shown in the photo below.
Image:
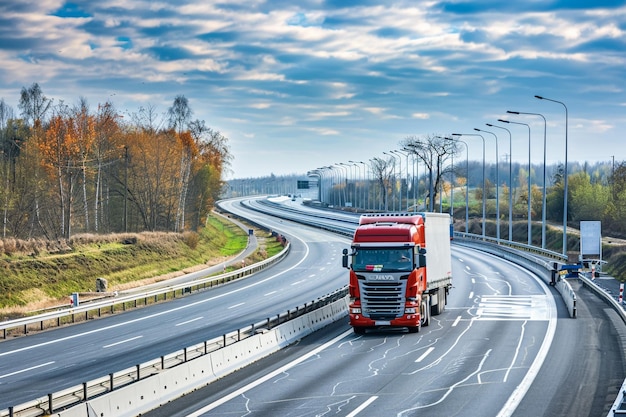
(529, 249)
(80, 393)
(121, 303)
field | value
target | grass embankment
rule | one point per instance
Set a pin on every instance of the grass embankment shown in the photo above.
(36, 274)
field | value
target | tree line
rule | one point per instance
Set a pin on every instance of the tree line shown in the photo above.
(67, 169)
(595, 192)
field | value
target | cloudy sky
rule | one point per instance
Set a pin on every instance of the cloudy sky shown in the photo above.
(296, 85)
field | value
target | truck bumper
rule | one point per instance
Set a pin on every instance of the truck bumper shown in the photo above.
(408, 320)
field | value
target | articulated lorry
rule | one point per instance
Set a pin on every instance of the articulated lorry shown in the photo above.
(400, 270)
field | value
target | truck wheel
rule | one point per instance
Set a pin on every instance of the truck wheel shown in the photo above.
(414, 329)
(359, 330)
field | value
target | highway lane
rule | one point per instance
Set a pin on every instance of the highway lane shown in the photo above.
(585, 366)
(476, 359)
(35, 365)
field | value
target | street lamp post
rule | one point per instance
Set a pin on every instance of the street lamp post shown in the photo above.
(510, 180)
(497, 183)
(375, 162)
(318, 174)
(565, 191)
(328, 180)
(361, 178)
(390, 153)
(451, 185)
(466, 182)
(543, 202)
(366, 179)
(352, 180)
(406, 155)
(484, 201)
(414, 167)
(529, 186)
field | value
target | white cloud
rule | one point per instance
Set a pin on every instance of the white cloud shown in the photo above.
(374, 71)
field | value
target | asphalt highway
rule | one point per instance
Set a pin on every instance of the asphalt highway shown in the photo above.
(505, 346)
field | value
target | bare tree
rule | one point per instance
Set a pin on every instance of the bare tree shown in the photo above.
(34, 104)
(434, 152)
(381, 171)
(179, 116)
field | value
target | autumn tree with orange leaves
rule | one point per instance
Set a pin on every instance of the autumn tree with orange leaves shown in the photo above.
(68, 169)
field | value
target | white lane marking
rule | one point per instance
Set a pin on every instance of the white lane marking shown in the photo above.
(298, 282)
(162, 313)
(236, 305)
(189, 321)
(26, 369)
(471, 295)
(514, 307)
(456, 321)
(122, 341)
(269, 376)
(522, 388)
(363, 406)
(270, 293)
(451, 388)
(517, 350)
(428, 351)
(444, 354)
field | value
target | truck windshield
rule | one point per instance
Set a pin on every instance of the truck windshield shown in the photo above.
(382, 259)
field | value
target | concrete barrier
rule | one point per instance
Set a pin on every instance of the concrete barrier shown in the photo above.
(568, 295)
(170, 384)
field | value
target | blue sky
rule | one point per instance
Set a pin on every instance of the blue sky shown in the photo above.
(296, 85)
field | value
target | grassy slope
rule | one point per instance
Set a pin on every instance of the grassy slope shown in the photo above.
(34, 280)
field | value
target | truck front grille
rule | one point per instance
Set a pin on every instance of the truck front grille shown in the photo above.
(382, 300)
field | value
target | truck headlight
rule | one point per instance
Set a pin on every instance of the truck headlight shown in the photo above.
(410, 310)
(355, 310)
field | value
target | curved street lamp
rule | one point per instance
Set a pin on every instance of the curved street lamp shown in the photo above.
(407, 178)
(484, 201)
(510, 179)
(565, 192)
(529, 187)
(361, 178)
(543, 202)
(466, 181)
(391, 154)
(497, 183)
(415, 168)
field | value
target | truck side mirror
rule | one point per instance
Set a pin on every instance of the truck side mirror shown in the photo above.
(422, 257)
(344, 258)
